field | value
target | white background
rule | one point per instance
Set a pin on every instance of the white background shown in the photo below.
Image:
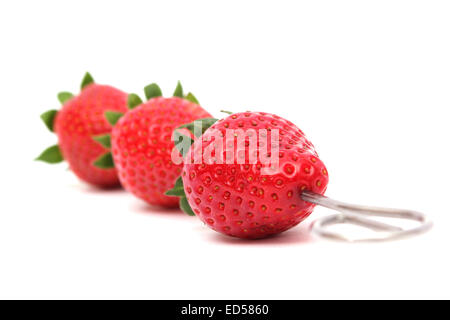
(368, 82)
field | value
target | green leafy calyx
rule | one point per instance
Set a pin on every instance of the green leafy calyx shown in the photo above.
(104, 140)
(184, 205)
(113, 117)
(152, 91)
(87, 80)
(178, 190)
(48, 118)
(183, 144)
(64, 96)
(178, 91)
(51, 155)
(105, 161)
(190, 97)
(133, 101)
(199, 126)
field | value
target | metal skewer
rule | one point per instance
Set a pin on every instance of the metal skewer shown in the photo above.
(355, 214)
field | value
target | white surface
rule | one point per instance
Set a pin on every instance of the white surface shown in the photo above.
(367, 81)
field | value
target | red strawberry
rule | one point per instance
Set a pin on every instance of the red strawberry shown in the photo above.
(81, 118)
(247, 200)
(142, 142)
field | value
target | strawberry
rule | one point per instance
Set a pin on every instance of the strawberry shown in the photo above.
(77, 124)
(246, 198)
(142, 145)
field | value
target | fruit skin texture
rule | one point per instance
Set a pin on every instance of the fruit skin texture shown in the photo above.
(81, 118)
(142, 146)
(237, 199)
